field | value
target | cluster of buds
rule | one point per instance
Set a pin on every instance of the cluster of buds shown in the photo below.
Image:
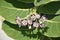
(33, 21)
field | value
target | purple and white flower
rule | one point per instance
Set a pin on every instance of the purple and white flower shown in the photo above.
(36, 24)
(37, 16)
(33, 17)
(43, 18)
(24, 22)
(18, 21)
(29, 21)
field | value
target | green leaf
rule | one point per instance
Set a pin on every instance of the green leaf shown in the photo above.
(13, 31)
(27, 1)
(41, 2)
(9, 11)
(50, 8)
(53, 27)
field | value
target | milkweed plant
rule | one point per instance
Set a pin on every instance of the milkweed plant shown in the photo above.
(42, 17)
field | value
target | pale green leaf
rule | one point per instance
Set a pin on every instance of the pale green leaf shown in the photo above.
(9, 11)
(53, 27)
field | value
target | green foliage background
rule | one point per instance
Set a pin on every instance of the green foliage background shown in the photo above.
(9, 9)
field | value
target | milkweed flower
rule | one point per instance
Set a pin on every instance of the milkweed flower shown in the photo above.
(24, 22)
(36, 24)
(18, 21)
(41, 23)
(37, 16)
(43, 18)
(29, 21)
(33, 21)
(32, 17)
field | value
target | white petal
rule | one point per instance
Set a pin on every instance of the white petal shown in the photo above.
(37, 16)
(35, 24)
(24, 22)
(29, 21)
(40, 22)
(29, 27)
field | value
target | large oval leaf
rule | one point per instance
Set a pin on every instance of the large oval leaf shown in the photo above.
(10, 14)
(38, 2)
(50, 8)
(14, 32)
(53, 27)
(10, 9)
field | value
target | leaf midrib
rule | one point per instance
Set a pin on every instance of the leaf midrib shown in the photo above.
(14, 8)
(52, 21)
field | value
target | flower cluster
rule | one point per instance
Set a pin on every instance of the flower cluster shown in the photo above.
(33, 21)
